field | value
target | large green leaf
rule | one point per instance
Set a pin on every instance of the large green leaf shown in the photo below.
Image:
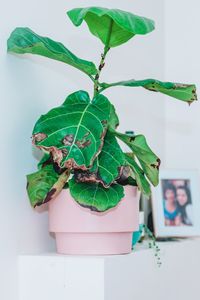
(108, 165)
(139, 175)
(112, 26)
(184, 92)
(149, 162)
(73, 133)
(94, 196)
(24, 40)
(44, 185)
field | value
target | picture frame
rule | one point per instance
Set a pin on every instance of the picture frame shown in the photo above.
(176, 204)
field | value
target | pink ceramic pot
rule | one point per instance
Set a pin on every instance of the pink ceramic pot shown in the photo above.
(80, 231)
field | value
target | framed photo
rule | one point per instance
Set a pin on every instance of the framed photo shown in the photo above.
(176, 204)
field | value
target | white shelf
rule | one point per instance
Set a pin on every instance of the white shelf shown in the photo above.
(125, 277)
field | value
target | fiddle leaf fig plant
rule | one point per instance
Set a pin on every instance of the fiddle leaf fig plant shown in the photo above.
(79, 139)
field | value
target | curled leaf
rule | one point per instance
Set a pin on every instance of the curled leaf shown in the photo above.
(44, 185)
(112, 26)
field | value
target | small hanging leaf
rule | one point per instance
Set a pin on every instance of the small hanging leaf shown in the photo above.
(24, 40)
(149, 162)
(94, 196)
(107, 166)
(44, 185)
(73, 133)
(112, 26)
(139, 175)
(184, 92)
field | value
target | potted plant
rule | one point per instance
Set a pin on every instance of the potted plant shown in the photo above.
(92, 186)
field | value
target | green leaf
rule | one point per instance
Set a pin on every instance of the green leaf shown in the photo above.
(149, 162)
(112, 26)
(114, 120)
(138, 175)
(44, 185)
(73, 133)
(94, 196)
(24, 40)
(184, 92)
(108, 165)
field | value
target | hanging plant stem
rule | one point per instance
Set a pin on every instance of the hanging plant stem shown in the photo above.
(153, 245)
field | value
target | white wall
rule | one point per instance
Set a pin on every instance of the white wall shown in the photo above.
(30, 86)
(182, 64)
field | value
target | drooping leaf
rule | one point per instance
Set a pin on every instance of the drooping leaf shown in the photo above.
(184, 92)
(107, 166)
(149, 162)
(94, 196)
(73, 133)
(114, 120)
(24, 40)
(139, 175)
(44, 185)
(112, 26)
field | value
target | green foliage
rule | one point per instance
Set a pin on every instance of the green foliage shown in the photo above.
(95, 196)
(73, 132)
(138, 174)
(44, 185)
(24, 40)
(79, 137)
(112, 26)
(107, 166)
(149, 162)
(184, 92)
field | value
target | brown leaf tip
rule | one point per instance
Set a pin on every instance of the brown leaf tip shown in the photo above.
(50, 195)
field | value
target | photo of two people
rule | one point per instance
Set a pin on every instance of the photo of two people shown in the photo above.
(177, 202)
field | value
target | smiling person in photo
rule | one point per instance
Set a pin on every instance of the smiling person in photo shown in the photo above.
(172, 215)
(184, 201)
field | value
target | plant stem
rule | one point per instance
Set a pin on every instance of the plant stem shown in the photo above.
(96, 80)
(102, 62)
